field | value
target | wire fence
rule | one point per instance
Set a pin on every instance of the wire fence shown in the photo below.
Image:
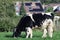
(57, 25)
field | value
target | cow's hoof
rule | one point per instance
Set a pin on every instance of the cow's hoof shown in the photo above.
(44, 36)
(26, 37)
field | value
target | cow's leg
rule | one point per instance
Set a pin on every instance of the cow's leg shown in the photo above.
(44, 33)
(29, 32)
(50, 30)
(44, 28)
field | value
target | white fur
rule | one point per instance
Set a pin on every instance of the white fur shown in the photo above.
(47, 27)
(43, 13)
(29, 14)
(49, 13)
(50, 28)
(44, 33)
(29, 32)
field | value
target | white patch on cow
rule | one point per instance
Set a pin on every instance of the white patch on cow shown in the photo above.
(50, 29)
(49, 13)
(47, 24)
(43, 13)
(29, 32)
(36, 26)
(29, 14)
(44, 33)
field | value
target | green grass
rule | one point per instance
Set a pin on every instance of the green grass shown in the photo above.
(37, 35)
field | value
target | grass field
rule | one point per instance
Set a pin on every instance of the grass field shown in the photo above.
(36, 36)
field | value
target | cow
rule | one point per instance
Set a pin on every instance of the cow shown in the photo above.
(43, 20)
(56, 8)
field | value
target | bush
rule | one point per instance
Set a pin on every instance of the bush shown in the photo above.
(49, 9)
(8, 19)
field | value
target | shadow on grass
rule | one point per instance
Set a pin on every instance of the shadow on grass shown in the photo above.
(23, 36)
(9, 36)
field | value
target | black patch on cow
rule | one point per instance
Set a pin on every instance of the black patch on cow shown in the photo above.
(39, 18)
(23, 23)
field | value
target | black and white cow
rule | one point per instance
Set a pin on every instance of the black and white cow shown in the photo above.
(43, 20)
(56, 8)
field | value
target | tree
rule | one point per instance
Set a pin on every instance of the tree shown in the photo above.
(22, 12)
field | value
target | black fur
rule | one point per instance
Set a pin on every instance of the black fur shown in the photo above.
(23, 23)
(39, 18)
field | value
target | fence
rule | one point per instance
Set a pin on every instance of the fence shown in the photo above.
(57, 25)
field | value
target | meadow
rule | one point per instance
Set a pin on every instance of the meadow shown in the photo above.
(8, 20)
(37, 35)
